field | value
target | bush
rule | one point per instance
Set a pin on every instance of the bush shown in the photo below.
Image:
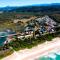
(5, 53)
(50, 37)
(29, 43)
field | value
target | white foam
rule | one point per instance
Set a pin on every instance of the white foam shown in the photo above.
(58, 53)
(52, 55)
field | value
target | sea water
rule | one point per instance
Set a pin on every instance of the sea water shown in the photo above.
(52, 56)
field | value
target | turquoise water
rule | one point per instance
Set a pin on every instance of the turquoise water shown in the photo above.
(2, 39)
(55, 56)
(4, 36)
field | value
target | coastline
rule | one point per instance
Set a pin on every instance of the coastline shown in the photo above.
(37, 51)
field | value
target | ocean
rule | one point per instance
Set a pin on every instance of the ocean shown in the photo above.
(51, 56)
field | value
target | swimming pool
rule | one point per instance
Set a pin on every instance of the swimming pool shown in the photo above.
(2, 39)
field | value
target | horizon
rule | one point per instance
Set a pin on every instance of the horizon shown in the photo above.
(4, 3)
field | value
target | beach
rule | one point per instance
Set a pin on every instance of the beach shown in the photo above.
(37, 51)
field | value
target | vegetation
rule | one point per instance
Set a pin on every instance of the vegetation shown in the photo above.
(55, 17)
(5, 53)
(29, 43)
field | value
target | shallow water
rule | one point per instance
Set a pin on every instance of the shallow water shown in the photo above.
(53, 56)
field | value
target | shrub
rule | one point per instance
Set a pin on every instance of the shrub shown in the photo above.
(5, 53)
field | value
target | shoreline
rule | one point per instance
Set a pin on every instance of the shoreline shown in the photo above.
(36, 52)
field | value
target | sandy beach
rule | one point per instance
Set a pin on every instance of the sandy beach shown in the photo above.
(37, 51)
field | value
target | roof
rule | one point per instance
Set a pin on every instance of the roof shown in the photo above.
(46, 19)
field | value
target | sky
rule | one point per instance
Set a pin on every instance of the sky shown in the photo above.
(4, 3)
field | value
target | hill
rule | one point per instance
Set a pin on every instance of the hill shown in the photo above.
(15, 12)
